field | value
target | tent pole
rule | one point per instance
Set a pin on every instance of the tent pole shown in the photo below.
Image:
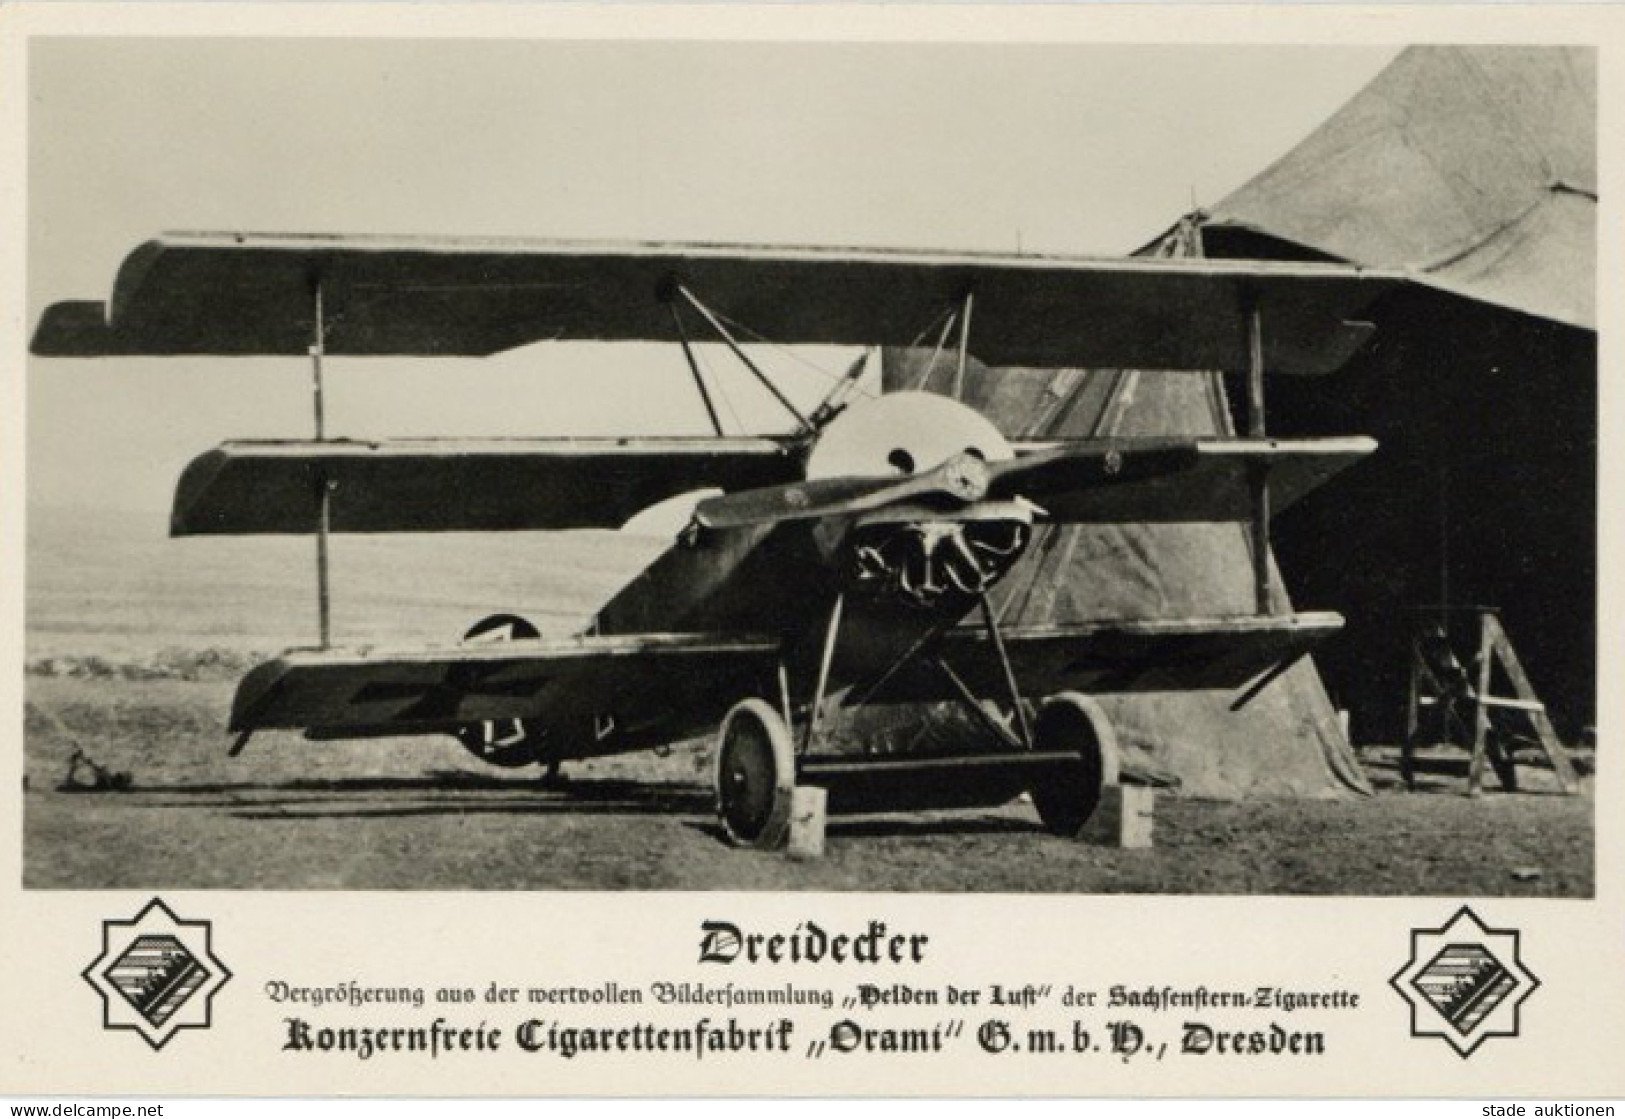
(1259, 475)
(324, 486)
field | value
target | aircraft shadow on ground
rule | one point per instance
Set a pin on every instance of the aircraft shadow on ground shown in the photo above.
(934, 825)
(434, 794)
(898, 827)
(456, 793)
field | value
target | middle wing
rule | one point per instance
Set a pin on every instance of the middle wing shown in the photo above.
(1100, 481)
(461, 485)
(464, 485)
(1124, 481)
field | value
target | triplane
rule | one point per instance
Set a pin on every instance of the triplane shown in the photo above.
(845, 563)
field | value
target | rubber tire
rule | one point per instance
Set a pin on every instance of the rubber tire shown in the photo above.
(1072, 721)
(754, 776)
(479, 739)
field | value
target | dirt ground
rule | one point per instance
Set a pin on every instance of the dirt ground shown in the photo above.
(419, 814)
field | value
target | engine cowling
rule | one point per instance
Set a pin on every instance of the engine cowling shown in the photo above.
(922, 556)
(932, 563)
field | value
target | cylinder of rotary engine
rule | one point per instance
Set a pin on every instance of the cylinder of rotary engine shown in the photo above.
(931, 560)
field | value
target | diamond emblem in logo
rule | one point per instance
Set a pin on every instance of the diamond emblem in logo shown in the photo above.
(1464, 982)
(157, 974)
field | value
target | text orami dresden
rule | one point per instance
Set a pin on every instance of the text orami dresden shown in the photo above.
(723, 942)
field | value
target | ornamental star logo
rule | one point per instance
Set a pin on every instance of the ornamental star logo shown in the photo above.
(1464, 982)
(157, 974)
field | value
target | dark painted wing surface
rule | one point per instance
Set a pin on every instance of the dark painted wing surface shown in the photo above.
(1124, 656)
(1097, 481)
(632, 678)
(212, 293)
(460, 485)
(1132, 481)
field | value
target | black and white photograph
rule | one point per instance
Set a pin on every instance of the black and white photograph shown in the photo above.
(810, 551)
(684, 465)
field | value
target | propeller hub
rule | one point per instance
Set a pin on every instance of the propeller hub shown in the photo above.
(966, 475)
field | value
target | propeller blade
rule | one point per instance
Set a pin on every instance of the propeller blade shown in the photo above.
(1069, 468)
(963, 478)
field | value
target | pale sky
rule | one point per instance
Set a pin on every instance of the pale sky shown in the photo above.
(1055, 149)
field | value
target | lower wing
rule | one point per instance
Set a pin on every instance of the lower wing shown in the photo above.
(624, 681)
(647, 689)
(1182, 654)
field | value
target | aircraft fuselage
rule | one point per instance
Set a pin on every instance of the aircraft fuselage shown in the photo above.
(900, 574)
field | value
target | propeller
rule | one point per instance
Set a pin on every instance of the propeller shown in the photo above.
(963, 479)
(1092, 463)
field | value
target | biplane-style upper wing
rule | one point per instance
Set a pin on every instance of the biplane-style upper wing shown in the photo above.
(213, 293)
(461, 485)
(1149, 655)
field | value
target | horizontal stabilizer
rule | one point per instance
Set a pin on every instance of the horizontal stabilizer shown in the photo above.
(214, 293)
(1130, 481)
(1124, 656)
(460, 485)
(424, 690)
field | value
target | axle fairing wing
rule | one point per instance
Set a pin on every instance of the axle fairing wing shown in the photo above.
(240, 294)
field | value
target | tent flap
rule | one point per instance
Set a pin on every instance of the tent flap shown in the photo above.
(1475, 165)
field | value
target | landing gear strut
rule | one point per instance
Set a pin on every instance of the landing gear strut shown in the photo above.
(1064, 758)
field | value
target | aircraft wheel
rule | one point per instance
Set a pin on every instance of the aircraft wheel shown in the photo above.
(1069, 721)
(505, 743)
(756, 771)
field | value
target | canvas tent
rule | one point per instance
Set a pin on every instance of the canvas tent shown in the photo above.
(1475, 167)
(1288, 740)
